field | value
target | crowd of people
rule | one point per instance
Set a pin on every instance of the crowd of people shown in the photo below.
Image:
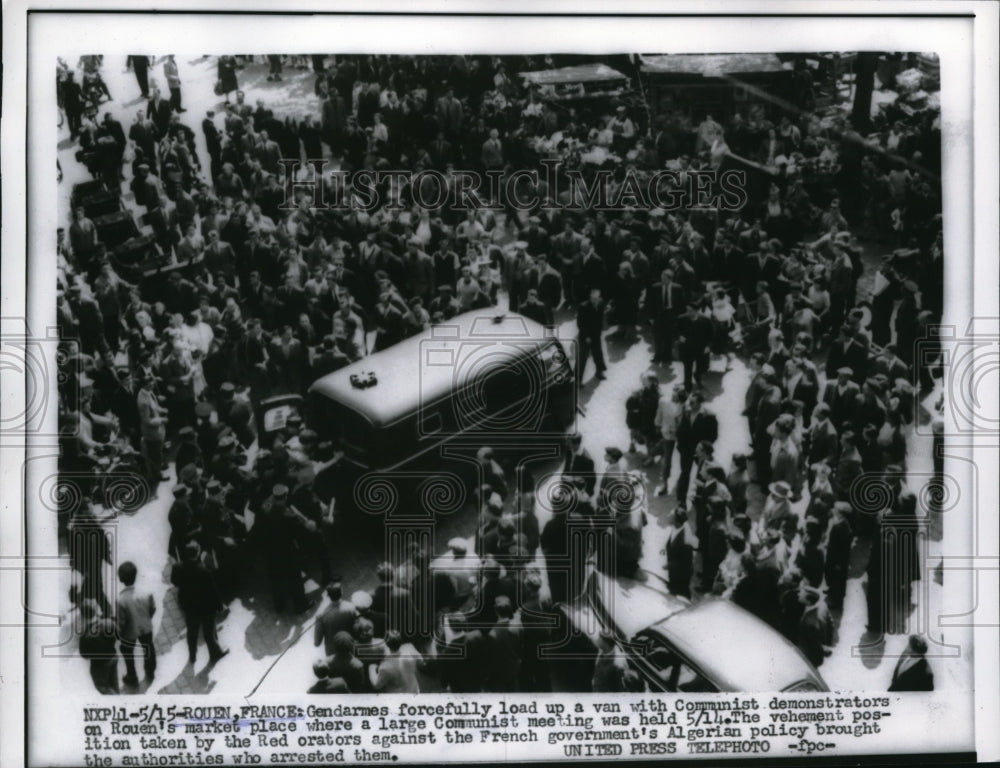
(166, 368)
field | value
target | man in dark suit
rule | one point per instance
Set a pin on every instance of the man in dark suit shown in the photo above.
(727, 259)
(838, 555)
(758, 386)
(912, 672)
(759, 267)
(823, 443)
(696, 425)
(768, 409)
(334, 120)
(143, 132)
(199, 601)
(450, 114)
(694, 335)
(664, 302)
(845, 352)
(590, 322)
(578, 462)
(840, 396)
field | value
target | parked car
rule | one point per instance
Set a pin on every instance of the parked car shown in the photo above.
(675, 645)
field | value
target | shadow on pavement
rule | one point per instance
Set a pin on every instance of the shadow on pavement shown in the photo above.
(190, 682)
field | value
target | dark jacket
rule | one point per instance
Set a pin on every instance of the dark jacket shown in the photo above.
(196, 590)
(590, 319)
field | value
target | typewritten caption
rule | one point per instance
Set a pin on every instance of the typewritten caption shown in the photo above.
(581, 727)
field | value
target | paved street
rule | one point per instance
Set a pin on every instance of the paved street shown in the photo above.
(266, 649)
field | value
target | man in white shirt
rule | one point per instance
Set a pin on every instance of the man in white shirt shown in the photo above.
(397, 672)
(197, 333)
(668, 416)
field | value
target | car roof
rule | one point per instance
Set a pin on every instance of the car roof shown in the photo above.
(423, 368)
(736, 650)
(633, 604)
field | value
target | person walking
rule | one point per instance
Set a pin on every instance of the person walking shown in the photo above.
(199, 600)
(695, 425)
(173, 83)
(694, 337)
(135, 611)
(668, 416)
(590, 323)
(140, 66)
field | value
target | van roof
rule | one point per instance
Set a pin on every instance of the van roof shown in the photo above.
(423, 368)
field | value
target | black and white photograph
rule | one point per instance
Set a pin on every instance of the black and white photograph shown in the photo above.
(489, 374)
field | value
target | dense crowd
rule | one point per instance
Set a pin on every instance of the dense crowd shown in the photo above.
(240, 296)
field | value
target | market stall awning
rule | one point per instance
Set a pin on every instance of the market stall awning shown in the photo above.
(710, 64)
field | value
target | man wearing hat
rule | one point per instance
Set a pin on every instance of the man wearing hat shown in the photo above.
(840, 538)
(868, 405)
(822, 443)
(846, 352)
(222, 534)
(564, 577)
(183, 523)
(279, 529)
(810, 560)
(841, 396)
(777, 505)
(236, 414)
(612, 482)
(762, 376)
(681, 543)
(207, 431)
(815, 631)
(767, 577)
(444, 306)
(694, 336)
(188, 451)
(912, 672)
(199, 600)
(153, 428)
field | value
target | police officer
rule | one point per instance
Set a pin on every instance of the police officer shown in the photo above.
(207, 432)
(277, 532)
(222, 533)
(227, 467)
(306, 504)
(236, 414)
(183, 524)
